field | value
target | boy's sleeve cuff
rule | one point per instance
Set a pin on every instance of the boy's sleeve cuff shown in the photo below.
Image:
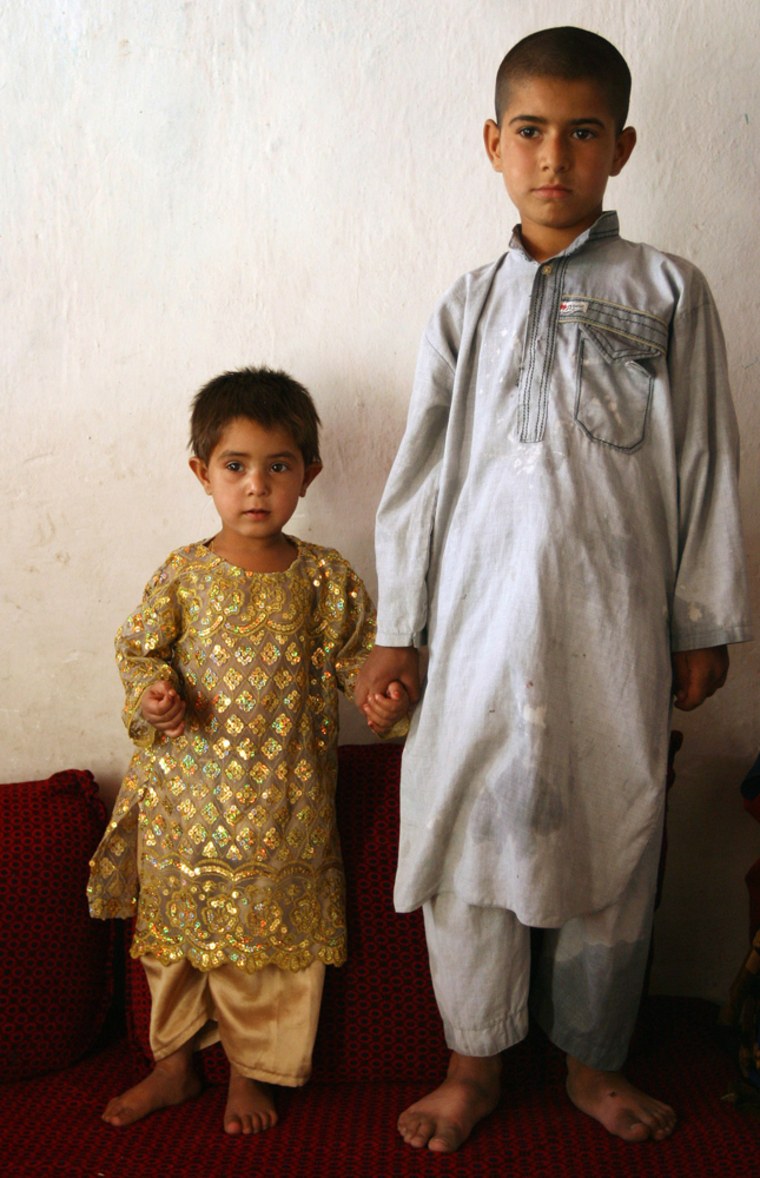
(689, 638)
(396, 638)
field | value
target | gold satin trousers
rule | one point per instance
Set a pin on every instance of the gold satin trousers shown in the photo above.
(266, 1021)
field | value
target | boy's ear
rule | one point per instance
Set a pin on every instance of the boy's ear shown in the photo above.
(626, 141)
(492, 140)
(311, 472)
(200, 470)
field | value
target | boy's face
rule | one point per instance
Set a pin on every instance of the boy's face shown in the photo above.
(256, 477)
(556, 149)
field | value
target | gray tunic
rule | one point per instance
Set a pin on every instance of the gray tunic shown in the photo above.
(561, 514)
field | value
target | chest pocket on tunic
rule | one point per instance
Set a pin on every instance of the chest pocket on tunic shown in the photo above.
(617, 353)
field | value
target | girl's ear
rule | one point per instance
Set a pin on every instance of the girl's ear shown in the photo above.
(200, 470)
(311, 472)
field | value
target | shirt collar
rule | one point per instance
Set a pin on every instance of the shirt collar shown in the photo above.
(606, 225)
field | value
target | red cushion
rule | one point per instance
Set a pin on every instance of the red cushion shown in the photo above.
(379, 1020)
(55, 982)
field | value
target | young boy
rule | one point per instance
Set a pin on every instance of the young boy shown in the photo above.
(561, 522)
(223, 837)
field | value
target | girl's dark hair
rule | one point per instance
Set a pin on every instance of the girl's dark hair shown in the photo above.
(268, 397)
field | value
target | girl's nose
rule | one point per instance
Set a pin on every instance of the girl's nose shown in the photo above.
(257, 482)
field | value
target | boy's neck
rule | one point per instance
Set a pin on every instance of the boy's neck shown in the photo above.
(544, 242)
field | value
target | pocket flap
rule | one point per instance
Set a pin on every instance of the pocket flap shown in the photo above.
(621, 333)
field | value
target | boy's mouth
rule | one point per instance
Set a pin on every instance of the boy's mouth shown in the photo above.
(552, 191)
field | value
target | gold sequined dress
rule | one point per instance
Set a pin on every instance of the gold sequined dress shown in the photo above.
(223, 840)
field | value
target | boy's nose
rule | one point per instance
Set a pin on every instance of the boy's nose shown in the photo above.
(556, 154)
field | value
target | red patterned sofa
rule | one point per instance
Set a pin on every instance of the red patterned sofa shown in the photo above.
(74, 1032)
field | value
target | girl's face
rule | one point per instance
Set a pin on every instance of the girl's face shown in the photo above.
(255, 476)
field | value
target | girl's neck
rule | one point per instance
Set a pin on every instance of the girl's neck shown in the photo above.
(273, 555)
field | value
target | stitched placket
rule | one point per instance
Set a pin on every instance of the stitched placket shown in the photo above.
(538, 353)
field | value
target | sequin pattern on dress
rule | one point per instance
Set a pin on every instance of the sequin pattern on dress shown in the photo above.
(230, 828)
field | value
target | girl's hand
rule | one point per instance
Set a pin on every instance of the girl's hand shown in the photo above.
(383, 712)
(162, 707)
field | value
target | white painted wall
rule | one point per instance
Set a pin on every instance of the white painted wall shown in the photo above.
(189, 187)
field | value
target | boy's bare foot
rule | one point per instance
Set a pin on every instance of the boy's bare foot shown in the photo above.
(616, 1104)
(172, 1081)
(250, 1108)
(446, 1117)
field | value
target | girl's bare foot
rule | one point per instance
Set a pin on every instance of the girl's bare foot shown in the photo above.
(445, 1118)
(250, 1108)
(616, 1104)
(172, 1081)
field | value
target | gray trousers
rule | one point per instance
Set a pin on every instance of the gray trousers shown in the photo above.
(583, 986)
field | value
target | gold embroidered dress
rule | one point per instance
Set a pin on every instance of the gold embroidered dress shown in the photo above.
(223, 840)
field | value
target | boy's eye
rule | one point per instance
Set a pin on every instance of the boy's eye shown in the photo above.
(584, 133)
(279, 467)
(235, 467)
(527, 132)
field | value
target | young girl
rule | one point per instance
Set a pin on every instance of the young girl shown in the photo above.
(223, 837)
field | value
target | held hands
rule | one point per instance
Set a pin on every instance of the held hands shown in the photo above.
(162, 707)
(385, 711)
(387, 686)
(698, 674)
(383, 666)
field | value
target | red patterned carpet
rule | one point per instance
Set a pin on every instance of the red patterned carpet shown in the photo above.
(678, 1054)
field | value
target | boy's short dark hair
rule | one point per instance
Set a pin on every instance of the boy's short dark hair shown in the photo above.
(268, 397)
(570, 53)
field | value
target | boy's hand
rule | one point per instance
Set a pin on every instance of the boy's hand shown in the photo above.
(698, 674)
(385, 711)
(383, 666)
(162, 707)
